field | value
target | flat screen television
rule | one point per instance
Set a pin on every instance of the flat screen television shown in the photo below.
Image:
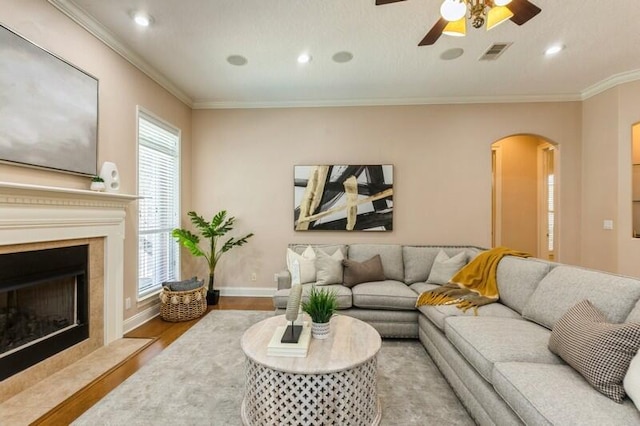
(48, 109)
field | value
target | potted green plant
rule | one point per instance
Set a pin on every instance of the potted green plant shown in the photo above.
(97, 183)
(320, 306)
(211, 231)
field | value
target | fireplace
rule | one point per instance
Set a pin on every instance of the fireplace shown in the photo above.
(34, 218)
(43, 305)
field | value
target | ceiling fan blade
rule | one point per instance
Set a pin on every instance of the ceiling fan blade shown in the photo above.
(523, 10)
(381, 2)
(434, 33)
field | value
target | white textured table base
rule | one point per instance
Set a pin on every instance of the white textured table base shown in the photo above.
(347, 397)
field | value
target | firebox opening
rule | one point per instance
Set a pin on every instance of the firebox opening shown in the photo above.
(43, 305)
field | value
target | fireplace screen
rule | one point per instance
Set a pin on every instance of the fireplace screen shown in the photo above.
(29, 314)
(43, 305)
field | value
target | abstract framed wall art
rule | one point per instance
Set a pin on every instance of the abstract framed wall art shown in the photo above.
(343, 197)
(48, 109)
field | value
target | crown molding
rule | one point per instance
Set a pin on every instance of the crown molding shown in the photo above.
(610, 82)
(388, 102)
(101, 33)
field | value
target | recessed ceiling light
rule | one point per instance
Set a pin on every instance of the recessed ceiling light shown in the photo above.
(450, 54)
(142, 19)
(237, 60)
(342, 57)
(552, 50)
(305, 58)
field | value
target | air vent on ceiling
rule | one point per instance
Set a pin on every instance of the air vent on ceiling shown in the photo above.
(494, 51)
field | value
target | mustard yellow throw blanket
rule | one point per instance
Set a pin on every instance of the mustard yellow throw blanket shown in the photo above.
(472, 286)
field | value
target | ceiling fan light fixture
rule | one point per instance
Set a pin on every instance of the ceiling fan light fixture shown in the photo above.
(497, 15)
(456, 28)
(501, 2)
(453, 10)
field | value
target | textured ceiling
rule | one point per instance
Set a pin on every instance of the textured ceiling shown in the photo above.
(187, 46)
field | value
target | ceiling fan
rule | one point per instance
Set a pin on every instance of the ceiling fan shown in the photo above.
(454, 15)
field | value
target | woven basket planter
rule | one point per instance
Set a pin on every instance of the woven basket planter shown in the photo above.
(183, 305)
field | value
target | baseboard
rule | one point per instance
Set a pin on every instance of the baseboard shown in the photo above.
(141, 317)
(247, 291)
(153, 311)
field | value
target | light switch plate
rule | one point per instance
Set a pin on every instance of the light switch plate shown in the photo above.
(607, 224)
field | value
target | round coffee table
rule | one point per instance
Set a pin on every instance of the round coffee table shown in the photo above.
(336, 383)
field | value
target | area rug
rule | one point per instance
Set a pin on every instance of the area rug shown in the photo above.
(199, 380)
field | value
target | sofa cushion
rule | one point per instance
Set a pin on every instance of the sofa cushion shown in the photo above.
(360, 272)
(438, 313)
(329, 267)
(548, 394)
(445, 267)
(417, 263)
(344, 295)
(598, 350)
(483, 341)
(419, 259)
(390, 254)
(634, 315)
(518, 278)
(565, 286)
(631, 380)
(420, 288)
(389, 294)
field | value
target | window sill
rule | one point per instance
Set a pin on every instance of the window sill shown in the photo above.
(147, 297)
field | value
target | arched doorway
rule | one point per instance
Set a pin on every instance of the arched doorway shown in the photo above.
(524, 200)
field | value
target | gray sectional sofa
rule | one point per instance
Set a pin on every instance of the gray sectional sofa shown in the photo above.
(498, 361)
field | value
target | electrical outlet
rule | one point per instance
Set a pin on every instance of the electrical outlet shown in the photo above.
(275, 278)
(607, 224)
(127, 303)
(253, 276)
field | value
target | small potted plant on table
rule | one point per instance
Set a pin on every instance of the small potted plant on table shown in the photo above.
(321, 306)
(97, 184)
(212, 231)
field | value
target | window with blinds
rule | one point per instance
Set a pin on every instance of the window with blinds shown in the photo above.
(158, 187)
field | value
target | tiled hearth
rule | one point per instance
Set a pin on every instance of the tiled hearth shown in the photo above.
(38, 217)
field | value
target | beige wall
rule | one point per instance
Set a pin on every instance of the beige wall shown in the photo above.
(606, 192)
(599, 180)
(518, 204)
(243, 162)
(122, 88)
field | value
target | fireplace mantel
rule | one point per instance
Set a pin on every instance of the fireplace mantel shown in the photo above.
(22, 193)
(36, 213)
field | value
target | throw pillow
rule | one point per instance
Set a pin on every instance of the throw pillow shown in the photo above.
(329, 268)
(631, 382)
(307, 262)
(362, 272)
(445, 267)
(600, 351)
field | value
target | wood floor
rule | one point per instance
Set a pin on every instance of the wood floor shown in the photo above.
(163, 334)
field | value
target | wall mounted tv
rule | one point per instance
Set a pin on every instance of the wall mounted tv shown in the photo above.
(48, 109)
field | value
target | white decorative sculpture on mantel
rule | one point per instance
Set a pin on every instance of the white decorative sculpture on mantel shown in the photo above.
(109, 173)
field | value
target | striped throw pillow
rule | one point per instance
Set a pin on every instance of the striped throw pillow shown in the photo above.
(600, 351)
